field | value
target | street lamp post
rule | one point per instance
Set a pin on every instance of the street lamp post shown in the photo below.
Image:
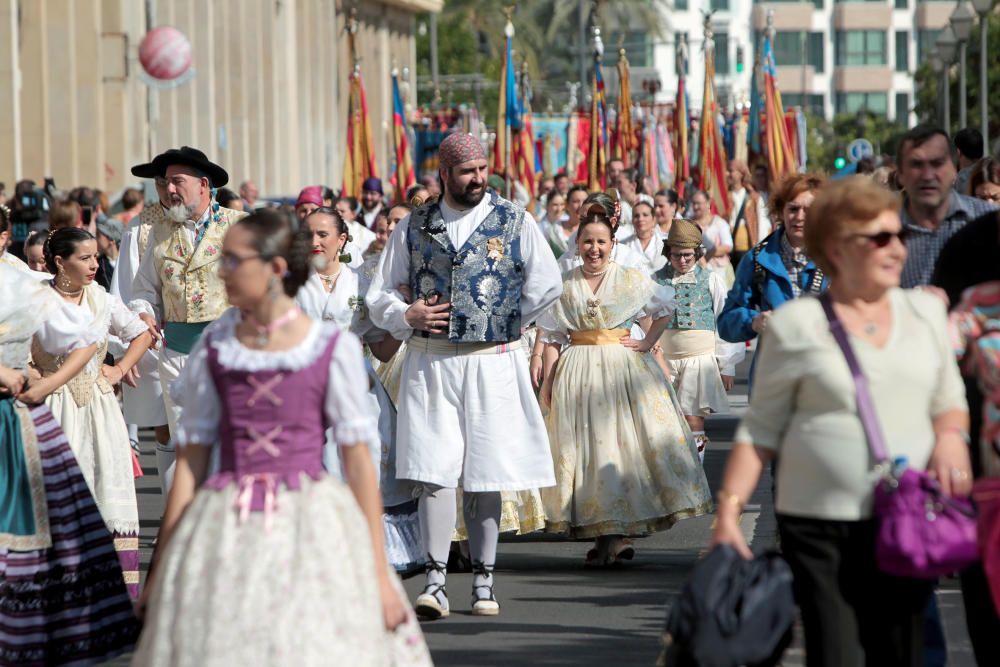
(983, 8)
(938, 66)
(946, 44)
(961, 24)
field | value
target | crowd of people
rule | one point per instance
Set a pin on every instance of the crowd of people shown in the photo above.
(391, 387)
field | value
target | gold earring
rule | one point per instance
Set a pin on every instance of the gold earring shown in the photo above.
(63, 281)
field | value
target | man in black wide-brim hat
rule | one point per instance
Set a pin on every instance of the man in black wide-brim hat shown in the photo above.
(177, 287)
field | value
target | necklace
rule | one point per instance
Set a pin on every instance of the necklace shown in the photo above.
(870, 328)
(64, 292)
(595, 274)
(330, 281)
(264, 331)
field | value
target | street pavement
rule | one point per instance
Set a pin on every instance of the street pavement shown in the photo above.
(556, 612)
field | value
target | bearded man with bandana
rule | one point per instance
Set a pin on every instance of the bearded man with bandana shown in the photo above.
(479, 271)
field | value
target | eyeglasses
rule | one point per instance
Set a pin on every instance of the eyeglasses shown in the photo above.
(795, 209)
(682, 256)
(882, 239)
(232, 262)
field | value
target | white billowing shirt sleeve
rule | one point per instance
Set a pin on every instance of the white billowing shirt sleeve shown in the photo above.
(542, 277)
(385, 304)
(67, 328)
(361, 322)
(348, 408)
(146, 287)
(728, 355)
(125, 324)
(550, 329)
(199, 420)
(128, 262)
(662, 302)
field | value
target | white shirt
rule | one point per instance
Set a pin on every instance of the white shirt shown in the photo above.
(653, 252)
(542, 280)
(344, 304)
(763, 221)
(361, 238)
(147, 286)
(369, 216)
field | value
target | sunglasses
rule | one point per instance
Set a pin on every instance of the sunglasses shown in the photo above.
(882, 239)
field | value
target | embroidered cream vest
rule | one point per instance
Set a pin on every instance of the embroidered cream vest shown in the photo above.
(150, 216)
(191, 288)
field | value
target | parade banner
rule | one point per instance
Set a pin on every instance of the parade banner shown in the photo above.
(552, 133)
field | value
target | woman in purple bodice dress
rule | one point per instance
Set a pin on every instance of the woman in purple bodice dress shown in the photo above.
(270, 561)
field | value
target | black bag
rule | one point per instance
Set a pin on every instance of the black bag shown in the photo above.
(731, 612)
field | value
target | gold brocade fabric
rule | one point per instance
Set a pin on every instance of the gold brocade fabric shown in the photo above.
(598, 337)
(191, 288)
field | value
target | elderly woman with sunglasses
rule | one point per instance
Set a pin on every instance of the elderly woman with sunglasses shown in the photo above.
(777, 269)
(804, 414)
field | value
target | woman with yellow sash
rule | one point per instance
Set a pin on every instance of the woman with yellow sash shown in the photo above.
(625, 461)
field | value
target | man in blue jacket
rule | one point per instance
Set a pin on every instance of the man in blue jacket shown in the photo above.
(777, 269)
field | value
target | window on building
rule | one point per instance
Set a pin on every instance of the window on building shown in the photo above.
(681, 5)
(902, 107)
(637, 45)
(813, 103)
(902, 4)
(788, 45)
(719, 5)
(860, 47)
(722, 53)
(877, 103)
(818, 4)
(902, 50)
(925, 44)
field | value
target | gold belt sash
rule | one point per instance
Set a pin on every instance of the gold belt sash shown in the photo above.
(597, 336)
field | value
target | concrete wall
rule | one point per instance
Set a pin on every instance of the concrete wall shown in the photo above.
(267, 100)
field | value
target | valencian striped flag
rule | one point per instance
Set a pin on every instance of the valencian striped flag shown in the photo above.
(523, 150)
(509, 109)
(403, 178)
(627, 142)
(597, 156)
(359, 156)
(712, 155)
(781, 158)
(682, 157)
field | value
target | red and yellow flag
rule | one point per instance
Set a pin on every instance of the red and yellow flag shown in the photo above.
(403, 178)
(359, 156)
(712, 155)
(781, 159)
(597, 157)
(628, 142)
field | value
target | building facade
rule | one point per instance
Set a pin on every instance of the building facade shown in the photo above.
(267, 99)
(832, 57)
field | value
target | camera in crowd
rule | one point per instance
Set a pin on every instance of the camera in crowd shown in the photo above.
(29, 208)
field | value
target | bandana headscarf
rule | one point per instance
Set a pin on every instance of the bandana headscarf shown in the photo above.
(458, 148)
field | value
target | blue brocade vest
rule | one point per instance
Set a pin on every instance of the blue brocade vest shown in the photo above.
(694, 300)
(482, 279)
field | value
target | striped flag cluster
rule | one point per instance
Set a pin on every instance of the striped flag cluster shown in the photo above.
(404, 177)
(359, 156)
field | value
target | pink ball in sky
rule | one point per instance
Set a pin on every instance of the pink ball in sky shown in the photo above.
(165, 53)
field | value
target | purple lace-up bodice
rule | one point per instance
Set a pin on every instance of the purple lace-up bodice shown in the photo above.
(271, 427)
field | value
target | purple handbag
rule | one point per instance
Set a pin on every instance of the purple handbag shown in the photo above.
(922, 533)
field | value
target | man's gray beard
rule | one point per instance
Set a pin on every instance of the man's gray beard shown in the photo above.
(180, 212)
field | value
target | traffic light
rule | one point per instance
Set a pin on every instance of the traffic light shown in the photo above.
(839, 163)
(739, 60)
